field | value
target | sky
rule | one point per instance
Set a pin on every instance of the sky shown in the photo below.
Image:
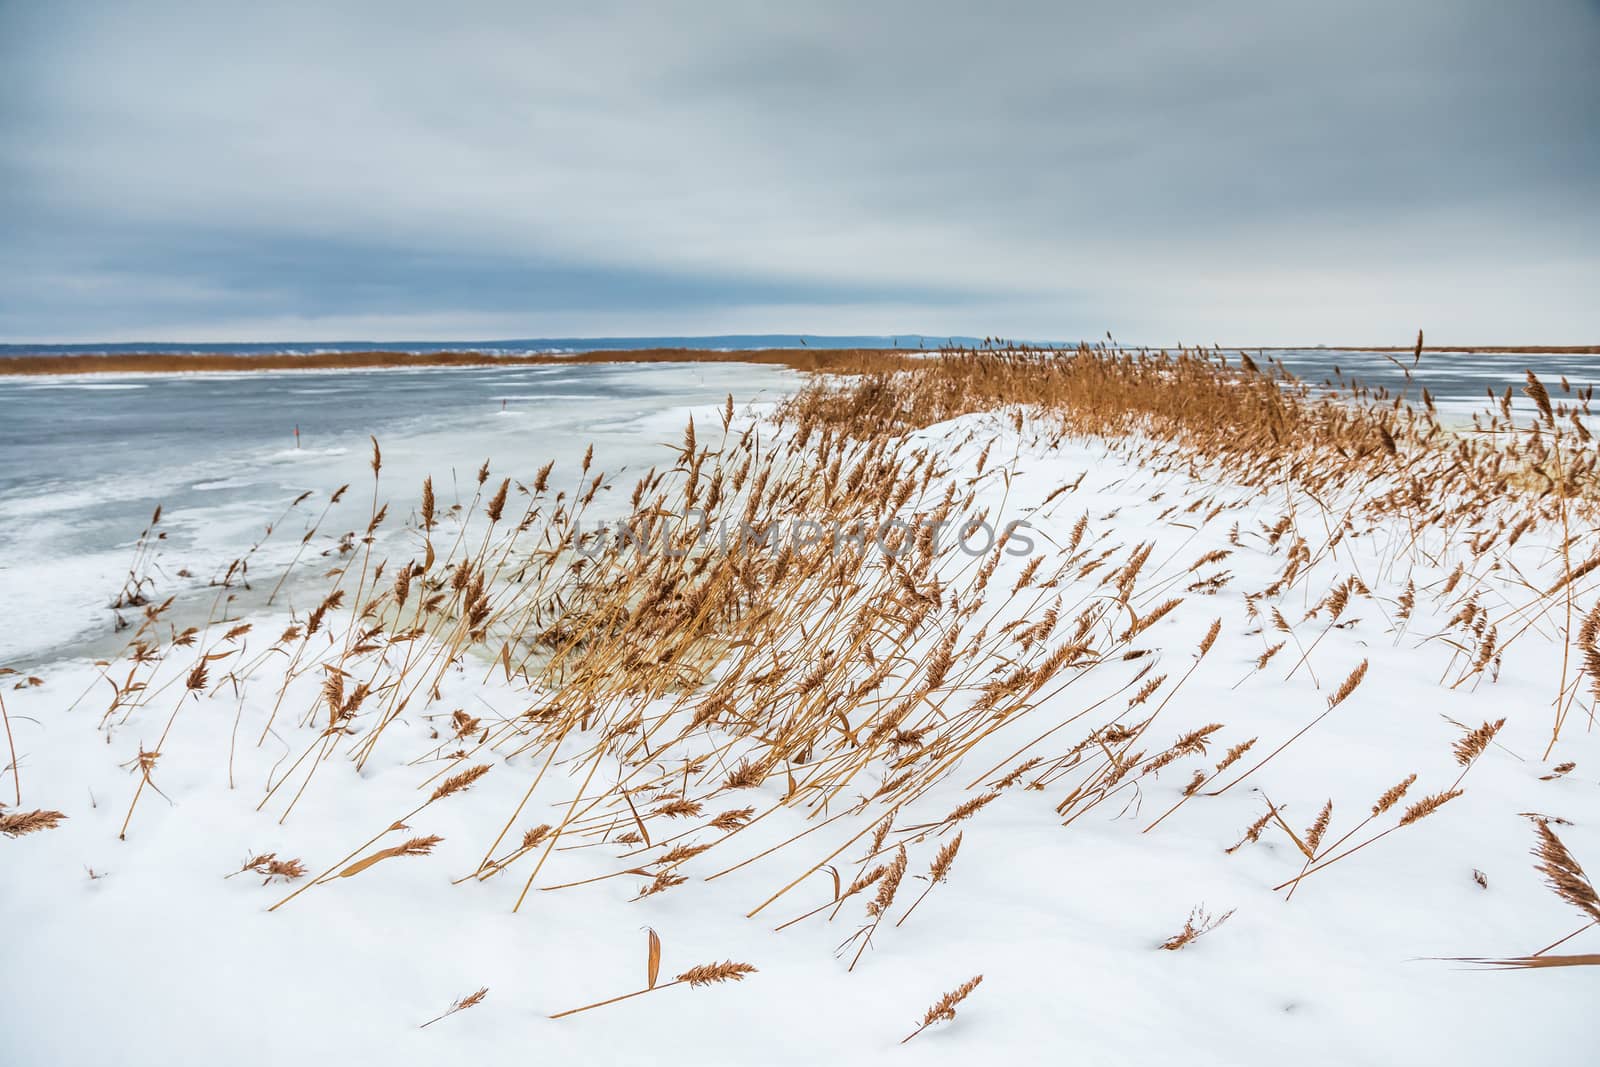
(1259, 173)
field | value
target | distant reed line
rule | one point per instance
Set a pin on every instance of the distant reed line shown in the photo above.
(846, 360)
(838, 360)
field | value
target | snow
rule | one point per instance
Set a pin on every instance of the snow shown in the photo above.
(156, 957)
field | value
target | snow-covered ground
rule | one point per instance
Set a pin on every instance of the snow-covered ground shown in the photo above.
(144, 951)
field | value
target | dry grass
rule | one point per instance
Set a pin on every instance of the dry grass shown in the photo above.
(1563, 874)
(704, 974)
(690, 695)
(21, 823)
(269, 866)
(944, 1009)
(1199, 923)
(471, 1000)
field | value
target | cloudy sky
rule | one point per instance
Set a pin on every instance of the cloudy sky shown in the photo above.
(1246, 173)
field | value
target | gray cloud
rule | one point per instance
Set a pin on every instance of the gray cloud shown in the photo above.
(1250, 173)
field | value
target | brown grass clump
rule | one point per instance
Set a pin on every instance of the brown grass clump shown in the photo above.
(888, 883)
(1314, 834)
(471, 1000)
(1562, 872)
(711, 973)
(1393, 795)
(269, 866)
(1472, 745)
(1253, 832)
(1196, 925)
(695, 977)
(1427, 806)
(459, 782)
(1341, 694)
(944, 1009)
(938, 871)
(663, 881)
(20, 823)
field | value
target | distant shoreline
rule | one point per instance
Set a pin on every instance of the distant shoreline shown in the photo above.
(803, 359)
(800, 359)
(1466, 350)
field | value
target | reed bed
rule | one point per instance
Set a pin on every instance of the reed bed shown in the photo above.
(869, 696)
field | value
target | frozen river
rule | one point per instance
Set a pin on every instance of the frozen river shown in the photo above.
(85, 461)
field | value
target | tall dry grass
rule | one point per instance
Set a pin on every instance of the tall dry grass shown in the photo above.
(693, 694)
